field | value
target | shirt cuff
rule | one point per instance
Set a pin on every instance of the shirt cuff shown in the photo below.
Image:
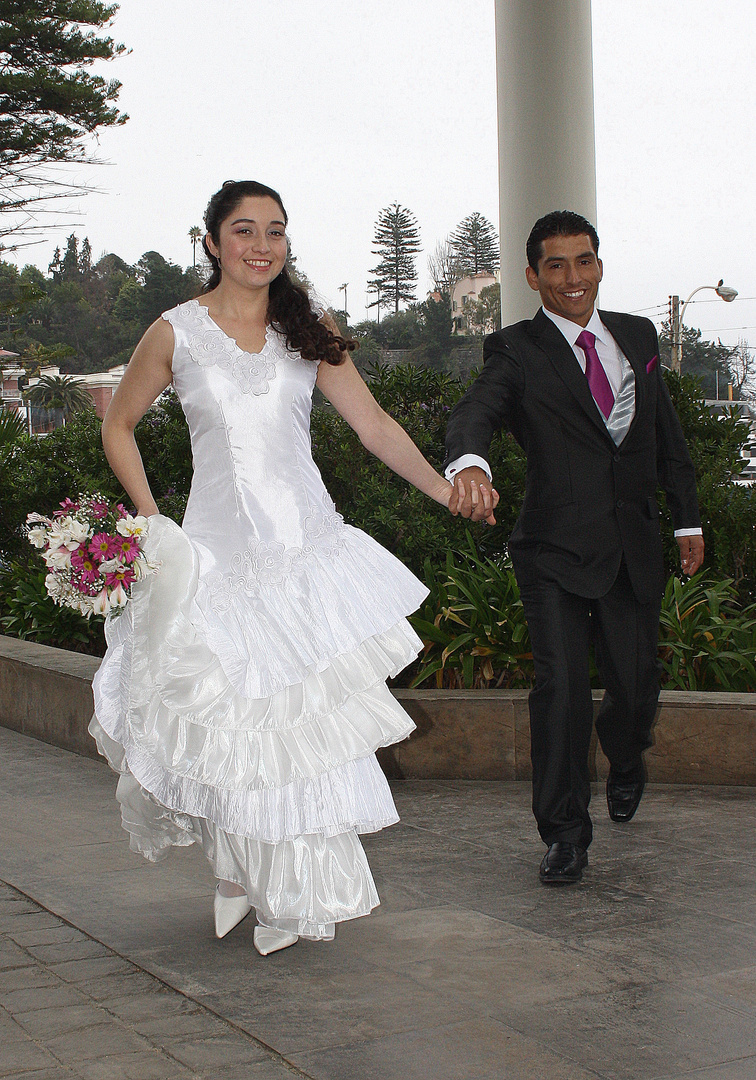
(688, 532)
(465, 462)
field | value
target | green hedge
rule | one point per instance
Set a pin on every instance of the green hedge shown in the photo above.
(36, 474)
(475, 634)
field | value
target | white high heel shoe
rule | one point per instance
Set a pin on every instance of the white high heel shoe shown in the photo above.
(268, 940)
(229, 912)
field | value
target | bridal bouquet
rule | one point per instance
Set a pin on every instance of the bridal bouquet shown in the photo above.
(94, 553)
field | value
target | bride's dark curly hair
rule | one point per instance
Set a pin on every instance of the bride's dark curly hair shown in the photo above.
(289, 309)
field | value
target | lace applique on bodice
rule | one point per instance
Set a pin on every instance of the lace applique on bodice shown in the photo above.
(208, 345)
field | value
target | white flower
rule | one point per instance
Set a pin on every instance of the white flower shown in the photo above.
(55, 587)
(109, 566)
(32, 519)
(132, 526)
(57, 558)
(118, 597)
(101, 603)
(38, 536)
(69, 532)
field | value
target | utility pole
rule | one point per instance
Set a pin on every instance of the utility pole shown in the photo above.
(674, 318)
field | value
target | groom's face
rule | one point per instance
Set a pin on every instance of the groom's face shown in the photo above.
(568, 277)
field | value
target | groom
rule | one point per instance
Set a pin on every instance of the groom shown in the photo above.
(581, 391)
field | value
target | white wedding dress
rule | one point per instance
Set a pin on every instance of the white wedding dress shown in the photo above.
(243, 696)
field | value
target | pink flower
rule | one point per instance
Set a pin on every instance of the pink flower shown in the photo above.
(122, 511)
(98, 509)
(68, 507)
(84, 564)
(123, 577)
(104, 546)
(129, 549)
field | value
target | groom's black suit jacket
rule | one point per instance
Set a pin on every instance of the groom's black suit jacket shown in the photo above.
(587, 502)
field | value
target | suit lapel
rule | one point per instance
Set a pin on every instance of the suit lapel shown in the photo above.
(556, 349)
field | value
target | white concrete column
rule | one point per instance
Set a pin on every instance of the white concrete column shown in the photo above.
(547, 158)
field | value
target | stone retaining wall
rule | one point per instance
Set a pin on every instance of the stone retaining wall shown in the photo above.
(461, 734)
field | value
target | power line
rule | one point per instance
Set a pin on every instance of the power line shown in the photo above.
(724, 329)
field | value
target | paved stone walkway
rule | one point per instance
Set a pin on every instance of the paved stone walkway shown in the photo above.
(469, 970)
(71, 1007)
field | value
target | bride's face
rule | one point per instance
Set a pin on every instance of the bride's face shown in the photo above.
(252, 244)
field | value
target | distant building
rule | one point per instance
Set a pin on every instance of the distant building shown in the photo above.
(100, 386)
(465, 295)
(11, 374)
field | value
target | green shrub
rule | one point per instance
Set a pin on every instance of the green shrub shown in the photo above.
(473, 625)
(728, 510)
(475, 635)
(37, 474)
(707, 641)
(373, 498)
(26, 611)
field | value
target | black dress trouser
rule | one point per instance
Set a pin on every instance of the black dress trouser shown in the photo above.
(562, 628)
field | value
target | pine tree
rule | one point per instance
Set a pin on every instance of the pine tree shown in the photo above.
(70, 263)
(85, 258)
(56, 266)
(50, 104)
(475, 244)
(397, 241)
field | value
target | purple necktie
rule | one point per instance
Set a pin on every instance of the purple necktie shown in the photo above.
(595, 374)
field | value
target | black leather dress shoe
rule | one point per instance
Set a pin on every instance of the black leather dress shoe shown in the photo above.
(563, 864)
(623, 791)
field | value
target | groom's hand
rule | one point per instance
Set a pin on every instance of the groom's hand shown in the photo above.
(691, 553)
(473, 496)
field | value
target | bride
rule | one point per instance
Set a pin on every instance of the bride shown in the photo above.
(243, 696)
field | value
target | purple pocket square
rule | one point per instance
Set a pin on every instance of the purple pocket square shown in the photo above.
(651, 364)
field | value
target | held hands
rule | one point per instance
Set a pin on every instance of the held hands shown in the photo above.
(473, 497)
(691, 553)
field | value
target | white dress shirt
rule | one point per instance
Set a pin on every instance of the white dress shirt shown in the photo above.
(611, 358)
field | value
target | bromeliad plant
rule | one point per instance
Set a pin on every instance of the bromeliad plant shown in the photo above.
(707, 641)
(475, 635)
(473, 625)
(93, 553)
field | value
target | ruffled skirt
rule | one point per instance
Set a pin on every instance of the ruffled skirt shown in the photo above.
(275, 789)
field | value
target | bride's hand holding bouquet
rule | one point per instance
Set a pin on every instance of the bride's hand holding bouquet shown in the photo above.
(94, 552)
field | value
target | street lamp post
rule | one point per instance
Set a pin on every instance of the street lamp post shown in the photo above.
(723, 291)
(343, 288)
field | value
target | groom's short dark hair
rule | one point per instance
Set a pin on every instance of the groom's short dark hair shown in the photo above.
(557, 223)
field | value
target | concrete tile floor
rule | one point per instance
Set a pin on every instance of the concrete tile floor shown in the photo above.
(469, 970)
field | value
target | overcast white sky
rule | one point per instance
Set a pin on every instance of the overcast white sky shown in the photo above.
(346, 107)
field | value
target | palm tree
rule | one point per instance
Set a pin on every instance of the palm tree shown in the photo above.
(195, 235)
(12, 427)
(59, 392)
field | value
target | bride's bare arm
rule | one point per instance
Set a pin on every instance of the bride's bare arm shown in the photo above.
(148, 374)
(379, 433)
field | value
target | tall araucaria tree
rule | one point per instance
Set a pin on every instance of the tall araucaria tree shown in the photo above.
(397, 242)
(49, 103)
(475, 245)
